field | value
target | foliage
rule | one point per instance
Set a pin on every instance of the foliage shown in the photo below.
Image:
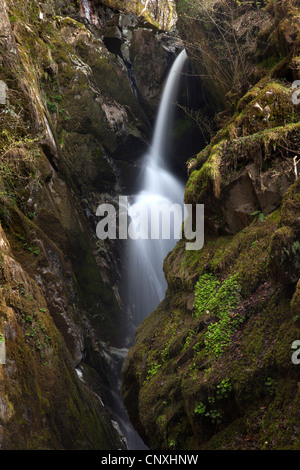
(165, 352)
(223, 389)
(215, 298)
(215, 416)
(271, 385)
(259, 215)
(152, 369)
(200, 409)
(189, 339)
(52, 106)
(220, 301)
(205, 290)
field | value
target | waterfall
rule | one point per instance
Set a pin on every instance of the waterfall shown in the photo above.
(146, 281)
(86, 9)
(165, 114)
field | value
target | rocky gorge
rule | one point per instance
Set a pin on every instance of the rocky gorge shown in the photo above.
(210, 368)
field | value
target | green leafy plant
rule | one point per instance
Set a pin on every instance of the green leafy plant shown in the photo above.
(193, 370)
(152, 369)
(259, 216)
(197, 347)
(165, 352)
(295, 247)
(189, 339)
(223, 389)
(32, 250)
(200, 409)
(172, 443)
(215, 416)
(52, 106)
(13, 19)
(205, 290)
(218, 300)
(271, 385)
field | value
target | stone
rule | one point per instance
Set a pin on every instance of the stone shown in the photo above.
(129, 20)
(149, 67)
(125, 52)
(241, 203)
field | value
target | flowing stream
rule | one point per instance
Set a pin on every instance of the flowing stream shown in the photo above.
(160, 188)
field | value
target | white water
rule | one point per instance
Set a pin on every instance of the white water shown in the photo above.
(89, 12)
(147, 284)
(165, 114)
(86, 10)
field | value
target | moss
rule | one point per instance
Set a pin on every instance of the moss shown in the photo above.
(291, 206)
(274, 95)
(283, 256)
(201, 180)
(295, 305)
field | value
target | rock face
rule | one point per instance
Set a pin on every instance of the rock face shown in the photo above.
(147, 53)
(72, 133)
(212, 366)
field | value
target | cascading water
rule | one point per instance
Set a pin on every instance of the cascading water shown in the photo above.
(146, 283)
(86, 9)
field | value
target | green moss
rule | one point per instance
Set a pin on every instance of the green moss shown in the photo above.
(269, 62)
(284, 256)
(206, 178)
(290, 210)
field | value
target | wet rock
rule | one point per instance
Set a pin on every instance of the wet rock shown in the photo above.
(113, 39)
(149, 65)
(139, 44)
